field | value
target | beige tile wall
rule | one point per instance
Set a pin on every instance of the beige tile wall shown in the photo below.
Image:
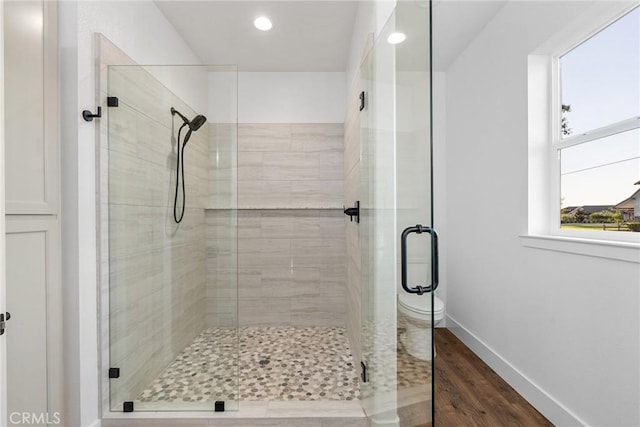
(290, 166)
(291, 268)
(223, 163)
(290, 229)
(153, 272)
(222, 268)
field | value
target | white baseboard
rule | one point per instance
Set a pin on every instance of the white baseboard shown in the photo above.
(553, 410)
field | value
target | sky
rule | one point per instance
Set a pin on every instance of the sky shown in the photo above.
(600, 79)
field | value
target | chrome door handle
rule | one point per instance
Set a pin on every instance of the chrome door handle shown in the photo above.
(419, 229)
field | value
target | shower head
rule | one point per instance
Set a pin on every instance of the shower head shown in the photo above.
(197, 122)
(194, 124)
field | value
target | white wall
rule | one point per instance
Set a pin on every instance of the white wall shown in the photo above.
(143, 32)
(370, 20)
(278, 97)
(363, 27)
(562, 328)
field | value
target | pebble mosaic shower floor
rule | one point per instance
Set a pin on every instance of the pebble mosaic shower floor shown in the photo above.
(274, 363)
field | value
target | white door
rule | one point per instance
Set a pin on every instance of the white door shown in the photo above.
(32, 340)
(3, 360)
(26, 335)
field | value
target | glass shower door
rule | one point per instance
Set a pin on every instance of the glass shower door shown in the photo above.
(170, 236)
(397, 205)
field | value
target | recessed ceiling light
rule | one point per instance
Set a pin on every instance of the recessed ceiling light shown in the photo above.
(396, 38)
(263, 23)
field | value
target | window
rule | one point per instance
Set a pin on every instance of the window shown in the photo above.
(596, 141)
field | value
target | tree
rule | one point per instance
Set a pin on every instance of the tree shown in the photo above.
(580, 215)
(617, 216)
(566, 130)
(605, 216)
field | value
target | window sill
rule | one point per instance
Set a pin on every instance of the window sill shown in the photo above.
(621, 251)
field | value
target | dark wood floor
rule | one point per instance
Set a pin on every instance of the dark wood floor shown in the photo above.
(469, 393)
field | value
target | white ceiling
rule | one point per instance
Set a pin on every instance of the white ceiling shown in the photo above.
(306, 35)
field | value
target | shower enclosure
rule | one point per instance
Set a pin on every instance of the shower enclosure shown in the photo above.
(396, 195)
(167, 200)
(170, 289)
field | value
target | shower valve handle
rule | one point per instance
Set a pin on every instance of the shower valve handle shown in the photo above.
(353, 212)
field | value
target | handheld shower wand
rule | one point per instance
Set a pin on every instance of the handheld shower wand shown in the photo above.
(193, 125)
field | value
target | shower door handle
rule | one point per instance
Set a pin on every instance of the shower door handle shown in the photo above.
(419, 229)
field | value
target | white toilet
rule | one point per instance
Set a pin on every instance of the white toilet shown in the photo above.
(417, 311)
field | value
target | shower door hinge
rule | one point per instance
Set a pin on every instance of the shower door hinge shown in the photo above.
(127, 407)
(114, 372)
(363, 374)
(219, 406)
(112, 101)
